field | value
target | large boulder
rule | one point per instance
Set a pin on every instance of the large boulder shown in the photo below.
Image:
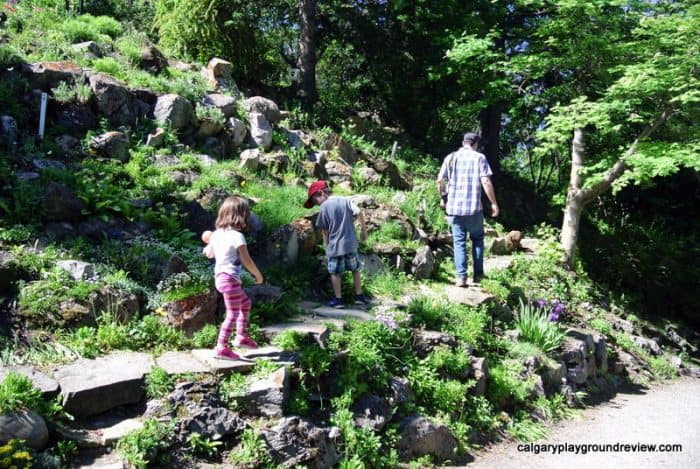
(479, 372)
(260, 129)
(24, 425)
(578, 351)
(79, 270)
(237, 130)
(338, 171)
(192, 313)
(267, 397)
(390, 172)
(371, 412)
(297, 442)
(112, 144)
(60, 204)
(264, 106)
(419, 437)
(9, 274)
(423, 263)
(218, 75)
(115, 101)
(76, 118)
(151, 59)
(47, 75)
(175, 111)
(225, 104)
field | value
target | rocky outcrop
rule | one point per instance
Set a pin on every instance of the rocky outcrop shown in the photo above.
(297, 442)
(418, 437)
(192, 313)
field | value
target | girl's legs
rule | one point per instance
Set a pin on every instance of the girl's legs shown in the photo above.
(233, 293)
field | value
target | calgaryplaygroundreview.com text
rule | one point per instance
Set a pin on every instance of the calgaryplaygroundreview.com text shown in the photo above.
(585, 448)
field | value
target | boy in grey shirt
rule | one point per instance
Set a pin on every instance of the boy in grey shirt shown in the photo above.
(336, 221)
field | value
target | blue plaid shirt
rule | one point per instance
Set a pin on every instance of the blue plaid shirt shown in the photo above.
(463, 171)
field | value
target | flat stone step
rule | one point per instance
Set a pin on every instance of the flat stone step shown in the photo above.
(272, 354)
(316, 327)
(90, 387)
(101, 432)
(215, 365)
(181, 362)
(46, 384)
(471, 296)
(492, 263)
(333, 313)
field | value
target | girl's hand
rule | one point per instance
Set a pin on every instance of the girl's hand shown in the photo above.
(259, 279)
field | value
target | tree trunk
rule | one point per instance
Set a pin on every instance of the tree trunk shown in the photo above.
(490, 135)
(307, 53)
(574, 200)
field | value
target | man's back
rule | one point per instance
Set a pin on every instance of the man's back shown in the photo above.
(463, 171)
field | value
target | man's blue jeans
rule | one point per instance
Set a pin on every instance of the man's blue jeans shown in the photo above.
(474, 225)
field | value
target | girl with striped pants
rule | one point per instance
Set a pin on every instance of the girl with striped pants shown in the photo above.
(228, 246)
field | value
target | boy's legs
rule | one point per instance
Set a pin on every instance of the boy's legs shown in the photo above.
(336, 280)
(357, 281)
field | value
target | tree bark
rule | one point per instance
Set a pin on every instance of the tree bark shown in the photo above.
(574, 200)
(490, 135)
(307, 53)
(578, 197)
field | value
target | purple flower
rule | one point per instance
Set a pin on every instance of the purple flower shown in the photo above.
(554, 316)
(541, 303)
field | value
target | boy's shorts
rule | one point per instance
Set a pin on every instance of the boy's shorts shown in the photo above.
(339, 264)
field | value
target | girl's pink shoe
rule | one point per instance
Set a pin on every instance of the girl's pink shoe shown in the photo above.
(243, 341)
(226, 354)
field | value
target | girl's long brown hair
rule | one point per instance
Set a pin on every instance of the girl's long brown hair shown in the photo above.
(233, 213)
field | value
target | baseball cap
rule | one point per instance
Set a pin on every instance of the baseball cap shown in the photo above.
(314, 188)
(471, 137)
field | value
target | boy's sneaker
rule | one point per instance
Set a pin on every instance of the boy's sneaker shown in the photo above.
(461, 281)
(226, 354)
(244, 341)
(336, 303)
(362, 299)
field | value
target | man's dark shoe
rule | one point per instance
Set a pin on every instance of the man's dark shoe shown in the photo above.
(479, 278)
(336, 303)
(362, 300)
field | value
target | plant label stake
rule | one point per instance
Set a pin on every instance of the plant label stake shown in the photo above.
(42, 115)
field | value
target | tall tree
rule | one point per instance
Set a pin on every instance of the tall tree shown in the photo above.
(307, 52)
(643, 124)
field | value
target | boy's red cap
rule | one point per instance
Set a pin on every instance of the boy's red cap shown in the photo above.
(313, 188)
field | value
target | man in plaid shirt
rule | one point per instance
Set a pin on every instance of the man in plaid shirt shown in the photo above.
(461, 177)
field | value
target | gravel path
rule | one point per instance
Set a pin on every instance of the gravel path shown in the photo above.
(664, 414)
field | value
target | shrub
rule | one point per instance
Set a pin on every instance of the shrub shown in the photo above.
(91, 28)
(17, 392)
(140, 448)
(158, 383)
(107, 65)
(250, 452)
(77, 93)
(210, 113)
(536, 327)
